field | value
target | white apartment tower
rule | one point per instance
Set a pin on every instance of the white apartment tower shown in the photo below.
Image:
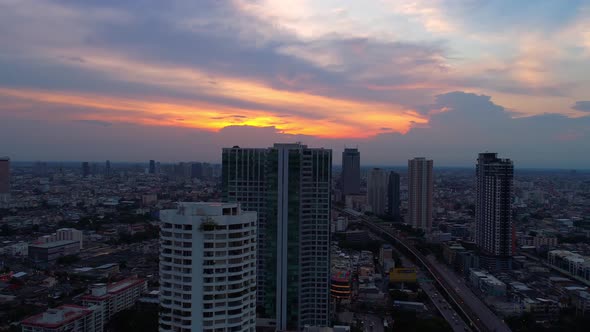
(207, 268)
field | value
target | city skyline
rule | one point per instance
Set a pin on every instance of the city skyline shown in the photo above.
(434, 78)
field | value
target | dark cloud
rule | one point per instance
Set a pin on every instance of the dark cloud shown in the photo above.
(582, 105)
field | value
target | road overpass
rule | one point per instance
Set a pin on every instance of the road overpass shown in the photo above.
(479, 316)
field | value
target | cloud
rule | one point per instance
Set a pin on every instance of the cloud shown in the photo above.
(94, 122)
(582, 105)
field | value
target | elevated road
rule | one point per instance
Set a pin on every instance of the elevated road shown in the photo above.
(479, 316)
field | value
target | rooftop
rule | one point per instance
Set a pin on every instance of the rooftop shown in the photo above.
(54, 244)
(56, 317)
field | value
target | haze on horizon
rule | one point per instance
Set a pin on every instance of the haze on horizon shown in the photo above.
(179, 80)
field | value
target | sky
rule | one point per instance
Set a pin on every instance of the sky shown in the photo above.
(179, 80)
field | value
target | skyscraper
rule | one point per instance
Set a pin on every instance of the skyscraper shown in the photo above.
(393, 196)
(377, 184)
(493, 209)
(152, 167)
(107, 168)
(420, 189)
(85, 169)
(351, 172)
(4, 179)
(207, 268)
(289, 185)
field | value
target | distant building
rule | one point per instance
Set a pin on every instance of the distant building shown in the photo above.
(63, 234)
(393, 196)
(377, 186)
(4, 180)
(420, 191)
(493, 210)
(208, 279)
(571, 263)
(49, 252)
(196, 171)
(64, 318)
(107, 168)
(85, 169)
(351, 172)
(115, 297)
(152, 167)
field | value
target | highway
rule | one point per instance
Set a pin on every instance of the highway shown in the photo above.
(470, 307)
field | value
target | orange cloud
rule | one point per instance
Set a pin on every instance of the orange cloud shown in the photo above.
(320, 116)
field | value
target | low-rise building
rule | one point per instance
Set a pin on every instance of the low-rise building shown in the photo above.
(542, 309)
(487, 283)
(66, 318)
(115, 297)
(574, 264)
(51, 251)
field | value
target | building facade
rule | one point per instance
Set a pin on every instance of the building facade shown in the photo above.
(208, 268)
(66, 318)
(351, 172)
(393, 196)
(377, 189)
(420, 191)
(49, 252)
(493, 209)
(289, 186)
(4, 180)
(115, 297)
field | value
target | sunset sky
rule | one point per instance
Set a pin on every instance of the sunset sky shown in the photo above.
(178, 80)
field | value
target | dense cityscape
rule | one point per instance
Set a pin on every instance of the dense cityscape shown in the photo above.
(281, 239)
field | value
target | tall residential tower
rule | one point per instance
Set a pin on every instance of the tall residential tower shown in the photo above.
(4, 180)
(493, 209)
(393, 196)
(420, 189)
(377, 184)
(351, 172)
(207, 268)
(289, 186)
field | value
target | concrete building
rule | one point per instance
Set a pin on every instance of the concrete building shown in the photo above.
(66, 318)
(487, 283)
(152, 167)
(4, 180)
(420, 190)
(289, 186)
(573, 264)
(63, 234)
(493, 210)
(351, 172)
(115, 297)
(85, 170)
(393, 196)
(49, 252)
(208, 268)
(377, 188)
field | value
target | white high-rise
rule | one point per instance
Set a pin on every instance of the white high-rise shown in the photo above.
(207, 268)
(377, 185)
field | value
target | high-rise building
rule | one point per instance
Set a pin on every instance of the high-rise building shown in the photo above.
(377, 184)
(85, 169)
(393, 196)
(351, 172)
(107, 168)
(493, 208)
(196, 171)
(420, 189)
(152, 167)
(208, 268)
(4, 180)
(289, 186)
